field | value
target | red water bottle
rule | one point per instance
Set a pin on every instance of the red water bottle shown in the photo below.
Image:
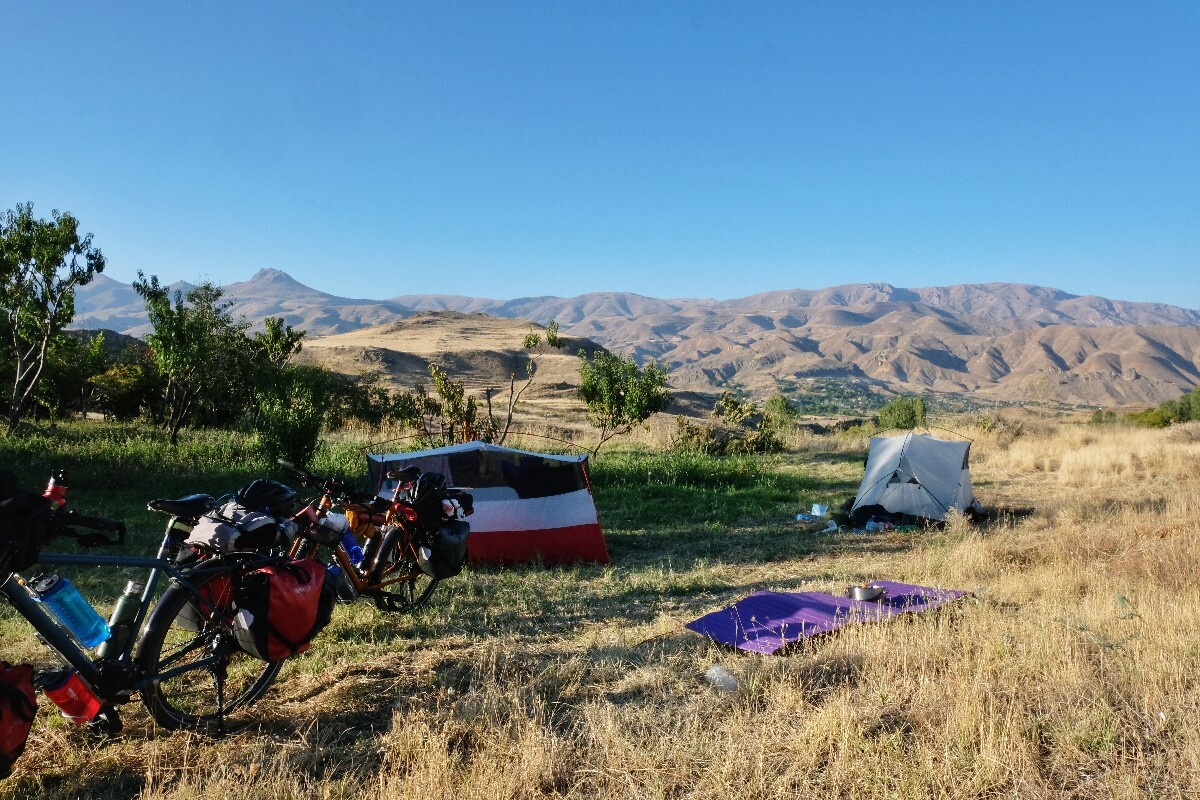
(74, 698)
(56, 489)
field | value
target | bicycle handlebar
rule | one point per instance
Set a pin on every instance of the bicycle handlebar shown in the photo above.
(66, 519)
(332, 486)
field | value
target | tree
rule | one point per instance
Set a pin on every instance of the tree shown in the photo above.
(197, 345)
(735, 412)
(779, 413)
(903, 412)
(618, 394)
(277, 343)
(73, 362)
(533, 343)
(292, 408)
(450, 415)
(41, 264)
(736, 426)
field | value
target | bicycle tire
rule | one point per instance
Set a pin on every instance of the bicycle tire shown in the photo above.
(184, 690)
(397, 559)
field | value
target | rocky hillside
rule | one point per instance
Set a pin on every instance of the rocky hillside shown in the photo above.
(997, 341)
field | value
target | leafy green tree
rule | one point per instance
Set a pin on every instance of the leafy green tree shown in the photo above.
(903, 413)
(73, 363)
(738, 426)
(450, 415)
(277, 342)
(1186, 408)
(197, 346)
(779, 413)
(618, 394)
(41, 264)
(292, 408)
(129, 388)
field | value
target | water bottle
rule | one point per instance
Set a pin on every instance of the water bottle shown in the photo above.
(720, 678)
(342, 585)
(121, 621)
(72, 610)
(73, 697)
(350, 544)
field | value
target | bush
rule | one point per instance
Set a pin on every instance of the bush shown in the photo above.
(904, 413)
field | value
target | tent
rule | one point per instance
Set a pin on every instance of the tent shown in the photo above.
(914, 475)
(528, 506)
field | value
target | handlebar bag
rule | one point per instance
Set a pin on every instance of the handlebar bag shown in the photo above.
(18, 704)
(281, 607)
(25, 524)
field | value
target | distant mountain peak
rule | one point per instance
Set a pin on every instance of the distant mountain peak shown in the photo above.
(270, 275)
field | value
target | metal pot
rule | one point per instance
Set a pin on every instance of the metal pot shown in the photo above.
(867, 593)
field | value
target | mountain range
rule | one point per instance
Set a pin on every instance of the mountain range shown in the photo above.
(1000, 342)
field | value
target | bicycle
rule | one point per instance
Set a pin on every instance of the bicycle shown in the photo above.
(399, 569)
(181, 656)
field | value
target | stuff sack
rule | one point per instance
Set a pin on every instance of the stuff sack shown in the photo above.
(232, 527)
(280, 608)
(24, 525)
(446, 553)
(18, 704)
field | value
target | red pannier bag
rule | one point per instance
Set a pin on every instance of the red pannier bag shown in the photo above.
(280, 608)
(18, 704)
(216, 595)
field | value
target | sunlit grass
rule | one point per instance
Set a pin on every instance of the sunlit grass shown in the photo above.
(1071, 671)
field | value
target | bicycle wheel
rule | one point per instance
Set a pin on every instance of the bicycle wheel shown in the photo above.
(201, 678)
(405, 586)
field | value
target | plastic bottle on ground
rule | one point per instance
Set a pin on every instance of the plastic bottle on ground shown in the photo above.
(720, 678)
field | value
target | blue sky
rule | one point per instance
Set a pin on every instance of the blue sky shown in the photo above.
(506, 149)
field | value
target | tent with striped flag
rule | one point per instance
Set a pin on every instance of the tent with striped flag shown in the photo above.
(528, 506)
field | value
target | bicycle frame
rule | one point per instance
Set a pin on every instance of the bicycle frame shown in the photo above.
(113, 679)
(390, 532)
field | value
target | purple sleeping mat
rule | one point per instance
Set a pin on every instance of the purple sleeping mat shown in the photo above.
(766, 621)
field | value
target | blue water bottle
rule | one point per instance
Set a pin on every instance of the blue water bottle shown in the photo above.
(342, 585)
(352, 549)
(72, 610)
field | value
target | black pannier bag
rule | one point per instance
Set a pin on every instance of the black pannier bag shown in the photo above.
(446, 553)
(25, 525)
(280, 608)
(18, 705)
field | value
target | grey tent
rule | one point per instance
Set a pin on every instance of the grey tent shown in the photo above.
(915, 475)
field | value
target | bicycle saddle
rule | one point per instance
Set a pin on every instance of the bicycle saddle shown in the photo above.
(191, 506)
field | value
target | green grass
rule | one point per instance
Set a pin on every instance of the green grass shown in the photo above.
(582, 681)
(670, 515)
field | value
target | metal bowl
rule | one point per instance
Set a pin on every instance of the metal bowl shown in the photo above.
(867, 593)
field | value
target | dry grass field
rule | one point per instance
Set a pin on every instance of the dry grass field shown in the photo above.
(1071, 670)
